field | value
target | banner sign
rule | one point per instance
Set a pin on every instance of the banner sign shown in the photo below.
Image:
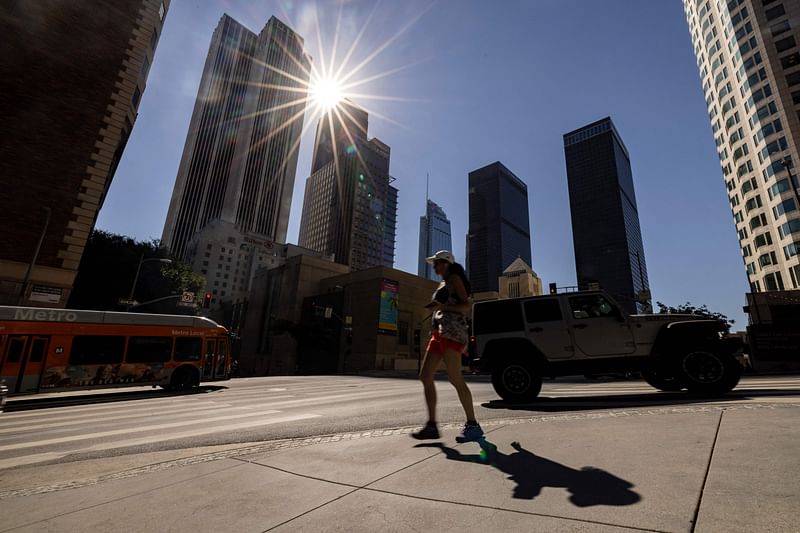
(387, 322)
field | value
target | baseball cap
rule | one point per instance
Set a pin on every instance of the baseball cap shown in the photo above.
(441, 255)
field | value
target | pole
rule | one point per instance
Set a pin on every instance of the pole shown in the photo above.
(135, 280)
(21, 297)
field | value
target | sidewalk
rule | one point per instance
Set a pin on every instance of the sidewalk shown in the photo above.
(701, 468)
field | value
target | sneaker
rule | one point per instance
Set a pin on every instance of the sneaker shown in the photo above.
(470, 433)
(430, 431)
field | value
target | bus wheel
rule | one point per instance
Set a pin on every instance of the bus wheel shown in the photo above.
(184, 378)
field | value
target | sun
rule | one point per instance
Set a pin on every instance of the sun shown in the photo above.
(326, 93)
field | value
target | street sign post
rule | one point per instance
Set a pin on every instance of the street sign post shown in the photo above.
(187, 299)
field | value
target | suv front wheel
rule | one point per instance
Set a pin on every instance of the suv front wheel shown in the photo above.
(706, 372)
(516, 381)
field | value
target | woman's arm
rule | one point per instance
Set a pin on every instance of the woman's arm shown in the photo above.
(455, 284)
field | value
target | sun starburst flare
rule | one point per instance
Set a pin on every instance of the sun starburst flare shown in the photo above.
(328, 83)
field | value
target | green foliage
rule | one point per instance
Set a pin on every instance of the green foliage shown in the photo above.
(689, 309)
(108, 268)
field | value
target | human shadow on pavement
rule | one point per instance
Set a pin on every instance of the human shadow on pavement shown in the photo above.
(588, 486)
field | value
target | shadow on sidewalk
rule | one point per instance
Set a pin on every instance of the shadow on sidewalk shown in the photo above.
(108, 396)
(588, 486)
(652, 399)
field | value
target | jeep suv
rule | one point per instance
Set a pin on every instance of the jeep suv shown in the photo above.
(521, 340)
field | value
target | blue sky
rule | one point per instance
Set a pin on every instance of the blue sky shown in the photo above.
(471, 83)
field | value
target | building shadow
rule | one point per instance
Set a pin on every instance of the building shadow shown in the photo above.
(33, 403)
(587, 487)
(550, 404)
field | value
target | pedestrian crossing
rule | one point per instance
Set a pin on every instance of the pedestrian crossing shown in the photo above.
(153, 418)
(263, 407)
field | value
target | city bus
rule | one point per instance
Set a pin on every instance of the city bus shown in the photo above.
(49, 350)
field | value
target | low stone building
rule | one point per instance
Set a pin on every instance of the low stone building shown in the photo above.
(312, 316)
(518, 280)
(271, 331)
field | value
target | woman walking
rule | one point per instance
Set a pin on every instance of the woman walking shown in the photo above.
(449, 337)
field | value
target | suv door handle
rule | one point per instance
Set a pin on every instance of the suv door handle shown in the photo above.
(536, 330)
(580, 326)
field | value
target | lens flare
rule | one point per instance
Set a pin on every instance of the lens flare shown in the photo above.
(326, 93)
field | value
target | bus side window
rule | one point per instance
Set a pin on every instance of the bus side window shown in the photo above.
(149, 350)
(96, 350)
(188, 349)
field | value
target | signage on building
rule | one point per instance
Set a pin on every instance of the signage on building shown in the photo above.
(43, 293)
(257, 242)
(387, 321)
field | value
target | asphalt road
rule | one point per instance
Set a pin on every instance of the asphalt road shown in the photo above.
(63, 427)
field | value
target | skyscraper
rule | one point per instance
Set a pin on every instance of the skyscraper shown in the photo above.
(240, 155)
(350, 206)
(73, 76)
(434, 235)
(605, 219)
(499, 224)
(749, 61)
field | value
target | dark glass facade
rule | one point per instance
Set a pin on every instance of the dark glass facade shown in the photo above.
(605, 218)
(499, 224)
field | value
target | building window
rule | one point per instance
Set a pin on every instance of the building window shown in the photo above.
(775, 12)
(145, 67)
(402, 333)
(161, 11)
(153, 39)
(793, 78)
(781, 27)
(785, 44)
(137, 94)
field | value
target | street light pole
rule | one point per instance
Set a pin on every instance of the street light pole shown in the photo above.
(136, 278)
(21, 297)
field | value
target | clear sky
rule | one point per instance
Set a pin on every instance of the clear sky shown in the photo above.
(473, 82)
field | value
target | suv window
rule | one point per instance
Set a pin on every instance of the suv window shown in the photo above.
(498, 317)
(592, 306)
(547, 310)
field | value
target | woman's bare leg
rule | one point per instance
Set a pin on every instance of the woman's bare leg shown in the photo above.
(426, 373)
(452, 359)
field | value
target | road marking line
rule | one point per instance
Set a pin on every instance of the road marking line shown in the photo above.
(78, 419)
(50, 456)
(222, 407)
(199, 431)
(31, 459)
(82, 408)
(102, 434)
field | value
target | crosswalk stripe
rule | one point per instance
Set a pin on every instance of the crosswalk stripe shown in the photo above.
(202, 431)
(51, 456)
(213, 408)
(115, 432)
(72, 409)
(96, 416)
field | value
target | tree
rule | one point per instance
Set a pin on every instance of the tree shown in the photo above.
(689, 309)
(108, 268)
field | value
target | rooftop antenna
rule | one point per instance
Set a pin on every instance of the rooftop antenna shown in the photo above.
(427, 186)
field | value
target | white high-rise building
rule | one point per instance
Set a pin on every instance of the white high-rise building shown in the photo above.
(240, 156)
(749, 61)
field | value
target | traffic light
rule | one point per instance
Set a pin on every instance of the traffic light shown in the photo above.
(207, 301)
(349, 336)
(553, 288)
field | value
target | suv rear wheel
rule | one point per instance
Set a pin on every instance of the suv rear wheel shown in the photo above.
(516, 381)
(707, 372)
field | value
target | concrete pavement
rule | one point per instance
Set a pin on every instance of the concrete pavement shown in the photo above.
(671, 468)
